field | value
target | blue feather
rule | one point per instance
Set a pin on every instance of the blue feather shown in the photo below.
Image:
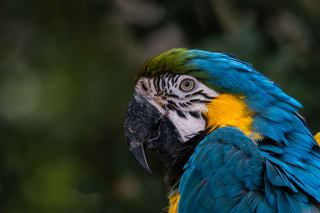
(229, 173)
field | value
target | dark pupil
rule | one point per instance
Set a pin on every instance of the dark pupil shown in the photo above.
(187, 84)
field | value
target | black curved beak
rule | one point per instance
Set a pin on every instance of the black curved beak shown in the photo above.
(145, 126)
(140, 118)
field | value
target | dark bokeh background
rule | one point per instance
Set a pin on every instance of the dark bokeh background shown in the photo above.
(66, 76)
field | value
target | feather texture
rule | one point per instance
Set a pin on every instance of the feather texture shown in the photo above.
(229, 173)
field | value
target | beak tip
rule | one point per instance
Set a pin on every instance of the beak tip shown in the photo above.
(148, 170)
(140, 156)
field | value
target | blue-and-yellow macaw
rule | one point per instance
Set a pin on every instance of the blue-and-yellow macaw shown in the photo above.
(231, 139)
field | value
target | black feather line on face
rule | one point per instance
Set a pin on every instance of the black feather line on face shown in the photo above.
(157, 82)
(175, 170)
(201, 93)
(144, 87)
(204, 102)
(176, 79)
(172, 103)
(206, 95)
(171, 107)
(172, 96)
(171, 77)
(194, 114)
(194, 94)
(180, 114)
(183, 105)
(163, 84)
(194, 100)
(199, 101)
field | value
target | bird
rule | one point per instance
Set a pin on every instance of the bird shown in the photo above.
(229, 138)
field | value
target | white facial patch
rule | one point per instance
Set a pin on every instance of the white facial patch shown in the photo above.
(182, 108)
(188, 126)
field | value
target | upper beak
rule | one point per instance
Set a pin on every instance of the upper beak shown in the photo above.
(139, 124)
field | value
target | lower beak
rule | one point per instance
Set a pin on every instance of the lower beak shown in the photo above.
(139, 125)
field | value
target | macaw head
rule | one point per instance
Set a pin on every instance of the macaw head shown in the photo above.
(182, 95)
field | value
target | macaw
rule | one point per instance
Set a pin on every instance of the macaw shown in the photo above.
(231, 140)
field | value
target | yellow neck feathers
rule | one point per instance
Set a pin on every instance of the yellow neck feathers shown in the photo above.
(317, 138)
(173, 203)
(230, 110)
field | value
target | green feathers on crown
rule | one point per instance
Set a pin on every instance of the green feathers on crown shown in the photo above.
(172, 61)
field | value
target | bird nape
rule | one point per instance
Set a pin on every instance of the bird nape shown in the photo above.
(230, 139)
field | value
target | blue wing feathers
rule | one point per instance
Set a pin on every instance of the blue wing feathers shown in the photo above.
(277, 177)
(272, 149)
(229, 173)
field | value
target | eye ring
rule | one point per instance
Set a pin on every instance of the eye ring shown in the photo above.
(187, 84)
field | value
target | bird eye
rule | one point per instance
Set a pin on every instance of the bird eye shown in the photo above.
(187, 85)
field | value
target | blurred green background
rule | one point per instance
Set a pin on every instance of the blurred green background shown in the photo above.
(66, 76)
